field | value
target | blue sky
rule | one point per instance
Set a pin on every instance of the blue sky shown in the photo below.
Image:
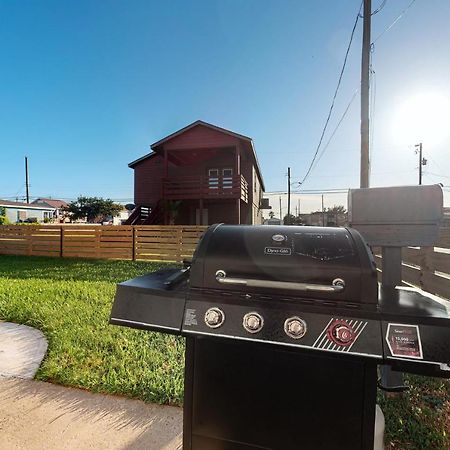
(86, 87)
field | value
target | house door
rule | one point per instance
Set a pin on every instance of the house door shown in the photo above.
(205, 217)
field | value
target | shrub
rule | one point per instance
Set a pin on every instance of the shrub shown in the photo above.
(3, 218)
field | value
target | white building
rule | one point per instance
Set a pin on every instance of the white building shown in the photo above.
(57, 205)
(20, 212)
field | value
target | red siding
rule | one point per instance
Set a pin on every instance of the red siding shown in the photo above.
(201, 137)
(147, 181)
(224, 158)
(224, 212)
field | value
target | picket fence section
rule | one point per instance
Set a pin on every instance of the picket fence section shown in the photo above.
(426, 267)
(138, 242)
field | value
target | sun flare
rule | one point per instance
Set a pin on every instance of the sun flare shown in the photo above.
(422, 117)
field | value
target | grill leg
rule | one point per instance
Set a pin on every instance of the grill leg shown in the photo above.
(188, 393)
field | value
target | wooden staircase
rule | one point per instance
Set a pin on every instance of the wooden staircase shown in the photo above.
(144, 215)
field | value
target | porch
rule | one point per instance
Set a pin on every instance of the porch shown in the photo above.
(217, 185)
(208, 211)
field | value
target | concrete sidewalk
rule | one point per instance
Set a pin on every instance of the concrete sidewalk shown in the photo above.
(22, 350)
(36, 415)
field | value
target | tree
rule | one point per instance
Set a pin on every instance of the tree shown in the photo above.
(3, 217)
(336, 209)
(292, 220)
(289, 219)
(93, 209)
(332, 215)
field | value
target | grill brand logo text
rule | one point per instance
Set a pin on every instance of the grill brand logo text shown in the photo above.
(277, 251)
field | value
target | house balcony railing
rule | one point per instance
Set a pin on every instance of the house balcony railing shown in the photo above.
(184, 188)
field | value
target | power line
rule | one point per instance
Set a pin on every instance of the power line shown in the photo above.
(382, 5)
(346, 149)
(311, 191)
(334, 97)
(336, 128)
(394, 22)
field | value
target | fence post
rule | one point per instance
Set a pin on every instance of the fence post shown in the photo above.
(29, 240)
(133, 243)
(180, 244)
(61, 242)
(391, 274)
(98, 236)
(426, 267)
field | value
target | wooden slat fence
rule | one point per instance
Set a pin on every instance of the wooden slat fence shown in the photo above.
(144, 242)
(166, 243)
(426, 267)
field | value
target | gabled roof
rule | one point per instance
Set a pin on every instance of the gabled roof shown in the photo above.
(133, 163)
(157, 144)
(21, 205)
(205, 124)
(52, 202)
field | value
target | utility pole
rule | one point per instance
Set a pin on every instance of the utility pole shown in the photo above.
(299, 206)
(281, 218)
(365, 66)
(289, 196)
(27, 183)
(323, 213)
(422, 161)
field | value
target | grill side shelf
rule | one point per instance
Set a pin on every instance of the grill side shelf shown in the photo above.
(417, 347)
(148, 303)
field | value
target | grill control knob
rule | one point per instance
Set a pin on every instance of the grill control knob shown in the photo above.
(341, 333)
(253, 322)
(214, 317)
(295, 327)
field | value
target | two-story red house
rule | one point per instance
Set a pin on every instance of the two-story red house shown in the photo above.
(199, 175)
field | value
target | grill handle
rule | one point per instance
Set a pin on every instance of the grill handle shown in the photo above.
(336, 286)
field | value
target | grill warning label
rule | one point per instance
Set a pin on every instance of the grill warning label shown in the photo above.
(190, 317)
(404, 341)
(277, 250)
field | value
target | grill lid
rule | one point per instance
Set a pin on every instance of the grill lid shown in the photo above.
(314, 262)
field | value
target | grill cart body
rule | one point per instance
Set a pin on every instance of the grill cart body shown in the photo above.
(284, 328)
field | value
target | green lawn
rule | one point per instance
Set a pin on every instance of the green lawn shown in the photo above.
(70, 301)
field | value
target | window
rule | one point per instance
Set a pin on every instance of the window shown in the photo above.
(213, 178)
(227, 178)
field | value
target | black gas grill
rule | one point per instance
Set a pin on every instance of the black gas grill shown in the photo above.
(285, 328)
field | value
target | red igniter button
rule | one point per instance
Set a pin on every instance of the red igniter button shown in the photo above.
(341, 333)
